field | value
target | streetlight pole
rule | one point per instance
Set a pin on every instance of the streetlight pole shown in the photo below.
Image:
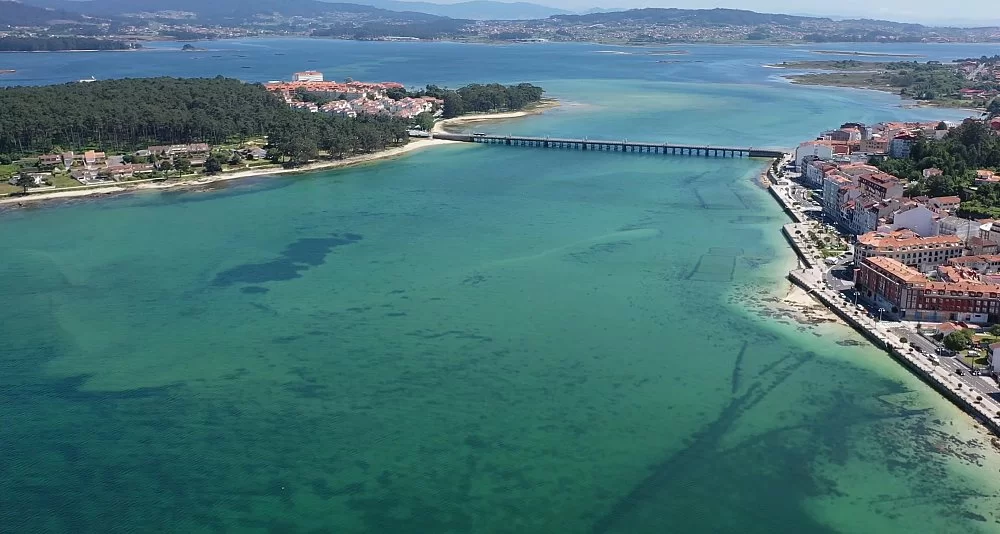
(856, 293)
(880, 310)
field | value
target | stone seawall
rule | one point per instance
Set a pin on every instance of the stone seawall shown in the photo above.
(923, 369)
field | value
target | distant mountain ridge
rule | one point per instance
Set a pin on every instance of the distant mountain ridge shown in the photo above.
(19, 14)
(225, 11)
(382, 20)
(736, 17)
(474, 9)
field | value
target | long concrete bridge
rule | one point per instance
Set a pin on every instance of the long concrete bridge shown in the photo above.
(615, 146)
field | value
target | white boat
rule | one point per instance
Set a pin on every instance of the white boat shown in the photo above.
(88, 80)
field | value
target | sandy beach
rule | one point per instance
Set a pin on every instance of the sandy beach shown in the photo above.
(412, 146)
(456, 123)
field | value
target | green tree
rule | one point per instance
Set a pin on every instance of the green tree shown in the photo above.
(183, 165)
(993, 109)
(425, 121)
(24, 181)
(213, 165)
(995, 330)
(166, 166)
(454, 105)
(235, 159)
(959, 339)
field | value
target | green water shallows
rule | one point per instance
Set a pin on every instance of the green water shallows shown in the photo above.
(469, 339)
(547, 343)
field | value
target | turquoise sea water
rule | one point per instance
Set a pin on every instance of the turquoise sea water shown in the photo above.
(466, 339)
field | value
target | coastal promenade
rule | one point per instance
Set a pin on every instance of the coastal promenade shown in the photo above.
(813, 277)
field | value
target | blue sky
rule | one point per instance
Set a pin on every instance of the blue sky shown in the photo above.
(936, 12)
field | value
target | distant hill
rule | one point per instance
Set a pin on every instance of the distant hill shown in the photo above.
(732, 17)
(696, 16)
(226, 11)
(475, 9)
(18, 14)
(600, 10)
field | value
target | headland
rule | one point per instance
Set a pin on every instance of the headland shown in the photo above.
(308, 124)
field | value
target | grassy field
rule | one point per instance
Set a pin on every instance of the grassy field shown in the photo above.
(64, 180)
(981, 361)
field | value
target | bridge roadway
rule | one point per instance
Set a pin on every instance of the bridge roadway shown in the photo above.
(615, 146)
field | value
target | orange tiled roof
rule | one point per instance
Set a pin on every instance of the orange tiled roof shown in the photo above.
(905, 238)
(897, 269)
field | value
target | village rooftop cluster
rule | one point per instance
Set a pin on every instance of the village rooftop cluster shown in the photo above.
(94, 167)
(351, 98)
(915, 259)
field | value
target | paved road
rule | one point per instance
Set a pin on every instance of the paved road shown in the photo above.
(982, 385)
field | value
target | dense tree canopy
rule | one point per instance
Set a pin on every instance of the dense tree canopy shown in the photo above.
(481, 98)
(964, 150)
(120, 115)
(125, 115)
(55, 44)
(298, 139)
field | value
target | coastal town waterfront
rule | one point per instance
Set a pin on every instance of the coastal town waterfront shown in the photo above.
(469, 339)
(976, 395)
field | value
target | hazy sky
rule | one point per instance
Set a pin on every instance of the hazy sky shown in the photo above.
(936, 12)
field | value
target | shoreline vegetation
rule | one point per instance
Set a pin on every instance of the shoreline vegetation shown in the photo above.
(863, 54)
(936, 84)
(199, 180)
(64, 44)
(194, 181)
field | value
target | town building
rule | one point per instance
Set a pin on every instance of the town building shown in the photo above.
(917, 218)
(880, 185)
(869, 214)
(905, 293)
(837, 191)
(977, 246)
(822, 150)
(901, 145)
(945, 205)
(308, 76)
(982, 264)
(91, 158)
(49, 161)
(876, 144)
(817, 169)
(963, 229)
(986, 176)
(908, 248)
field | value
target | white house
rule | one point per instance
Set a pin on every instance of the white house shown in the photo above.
(818, 149)
(995, 357)
(918, 218)
(308, 76)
